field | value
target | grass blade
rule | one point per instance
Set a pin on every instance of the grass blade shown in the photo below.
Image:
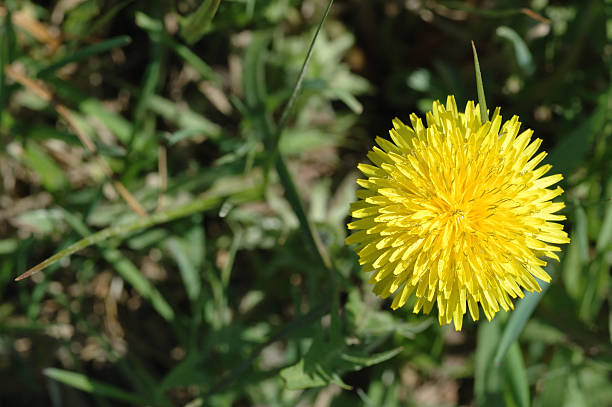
(521, 51)
(292, 195)
(254, 95)
(108, 16)
(298, 84)
(296, 204)
(84, 383)
(605, 233)
(484, 115)
(198, 23)
(516, 384)
(498, 386)
(86, 52)
(183, 117)
(297, 88)
(127, 270)
(198, 205)
(487, 384)
(155, 27)
(189, 272)
(518, 319)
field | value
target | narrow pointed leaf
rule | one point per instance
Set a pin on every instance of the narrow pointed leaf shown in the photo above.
(518, 319)
(86, 52)
(84, 383)
(484, 116)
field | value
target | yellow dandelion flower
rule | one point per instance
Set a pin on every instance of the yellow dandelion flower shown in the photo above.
(457, 213)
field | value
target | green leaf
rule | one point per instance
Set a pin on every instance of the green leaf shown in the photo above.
(298, 84)
(487, 385)
(78, 20)
(155, 28)
(484, 115)
(108, 16)
(288, 110)
(126, 269)
(347, 98)
(325, 362)
(198, 205)
(498, 385)
(604, 239)
(570, 152)
(51, 175)
(554, 384)
(189, 273)
(300, 140)
(516, 384)
(521, 51)
(86, 52)
(8, 245)
(116, 123)
(577, 256)
(253, 70)
(132, 275)
(596, 290)
(43, 221)
(194, 26)
(190, 371)
(366, 321)
(518, 319)
(255, 96)
(183, 117)
(84, 383)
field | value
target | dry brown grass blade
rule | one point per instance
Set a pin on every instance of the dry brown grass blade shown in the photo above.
(535, 16)
(65, 113)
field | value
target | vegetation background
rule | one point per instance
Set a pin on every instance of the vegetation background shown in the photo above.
(177, 108)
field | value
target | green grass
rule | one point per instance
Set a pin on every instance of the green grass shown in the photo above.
(237, 289)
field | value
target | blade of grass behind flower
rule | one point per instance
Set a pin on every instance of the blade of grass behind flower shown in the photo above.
(86, 52)
(484, 116)
(487, 386)
(497, 386)
(516, 382)
(518, 319)
(84, 383)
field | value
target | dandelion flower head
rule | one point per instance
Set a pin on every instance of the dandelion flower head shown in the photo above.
(457, 213)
